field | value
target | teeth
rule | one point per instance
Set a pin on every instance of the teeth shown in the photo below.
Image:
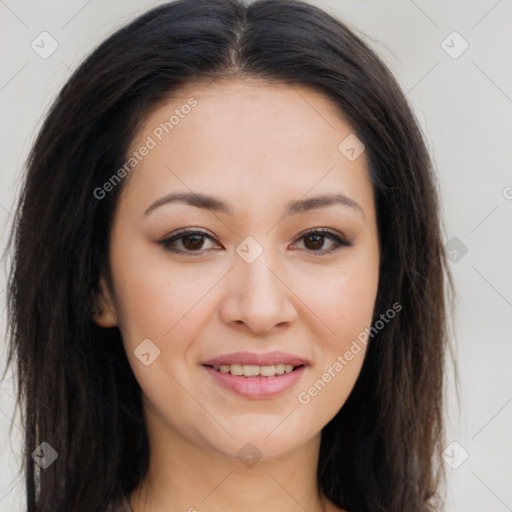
(251, 370)
(280, 369)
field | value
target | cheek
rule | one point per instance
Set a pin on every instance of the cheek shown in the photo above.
(346, 309)
(341, 298)
(352, 311)
(343, 301)
(161, 310)
(159, 316)
(154, 297)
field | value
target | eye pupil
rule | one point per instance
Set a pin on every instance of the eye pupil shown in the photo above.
(316, 245)
(198, 238)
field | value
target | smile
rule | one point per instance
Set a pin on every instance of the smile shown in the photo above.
(252, 370)
(255, 382)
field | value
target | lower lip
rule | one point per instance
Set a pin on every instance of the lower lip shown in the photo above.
(256, 387)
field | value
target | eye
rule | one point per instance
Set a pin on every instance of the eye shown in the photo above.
(191, 240)
(315, 239)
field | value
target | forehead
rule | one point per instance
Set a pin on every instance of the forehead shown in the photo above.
(253, 135)
(244, 109)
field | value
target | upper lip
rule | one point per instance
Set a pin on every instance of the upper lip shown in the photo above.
(250, 358)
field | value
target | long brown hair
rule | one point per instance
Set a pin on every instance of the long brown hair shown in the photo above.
(381, 452)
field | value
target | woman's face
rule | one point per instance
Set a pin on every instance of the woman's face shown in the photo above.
(255, 280)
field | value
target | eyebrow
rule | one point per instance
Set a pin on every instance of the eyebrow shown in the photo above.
(292, 208)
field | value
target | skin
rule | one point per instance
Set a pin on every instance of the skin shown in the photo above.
(256, 146)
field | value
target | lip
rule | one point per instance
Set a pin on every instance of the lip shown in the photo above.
(256, 387)
(264, 359)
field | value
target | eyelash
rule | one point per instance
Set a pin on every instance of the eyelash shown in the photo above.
(166, 243)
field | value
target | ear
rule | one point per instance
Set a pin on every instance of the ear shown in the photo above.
(105, 313)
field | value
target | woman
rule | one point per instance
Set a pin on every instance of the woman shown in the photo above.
(228, 289)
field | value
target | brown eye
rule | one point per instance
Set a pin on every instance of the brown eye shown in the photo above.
(191, 241)
(315, 239)
(194, 241)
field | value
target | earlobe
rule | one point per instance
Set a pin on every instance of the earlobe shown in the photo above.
(104, 315)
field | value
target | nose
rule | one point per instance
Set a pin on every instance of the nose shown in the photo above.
(258, 297)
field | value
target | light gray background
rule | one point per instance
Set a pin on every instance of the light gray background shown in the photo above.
(464, 105)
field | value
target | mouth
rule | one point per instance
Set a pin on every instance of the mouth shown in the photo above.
(256, 376)
(252, 370)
